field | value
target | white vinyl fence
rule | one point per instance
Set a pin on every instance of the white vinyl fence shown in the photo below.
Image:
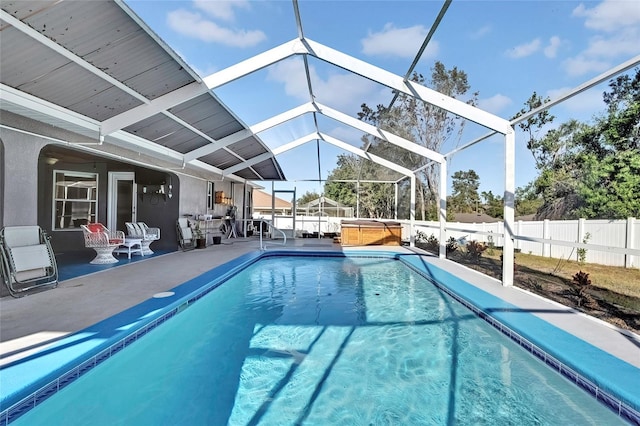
(606, 242)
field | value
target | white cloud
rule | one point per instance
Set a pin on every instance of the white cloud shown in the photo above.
(610, 15)
(342, 91)
(581, 65)
(194, 25)
(552, 48)
(625, 43)
(525, 49)
(221, 9)
(481, 32)
(617, 22)
(402, 42)
(495, 104)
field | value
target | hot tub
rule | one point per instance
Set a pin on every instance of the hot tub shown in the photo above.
(370, 232)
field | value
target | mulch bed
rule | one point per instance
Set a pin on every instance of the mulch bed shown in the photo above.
(596, 303)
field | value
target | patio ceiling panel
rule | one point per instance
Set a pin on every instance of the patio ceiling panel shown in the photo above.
(156, 128)
(97, 60)
(221, 159)
(267, 170)
(105, 36)
(247, 148)
(207, 115)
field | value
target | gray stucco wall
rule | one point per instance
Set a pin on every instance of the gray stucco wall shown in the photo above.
(20, 177)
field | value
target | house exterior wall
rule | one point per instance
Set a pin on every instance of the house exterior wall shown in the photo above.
(20, 165)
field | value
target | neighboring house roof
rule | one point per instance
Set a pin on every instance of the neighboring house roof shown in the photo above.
(262, 200)
(527, 217)
(474, 218)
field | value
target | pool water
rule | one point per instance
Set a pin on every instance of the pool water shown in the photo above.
(300, 340)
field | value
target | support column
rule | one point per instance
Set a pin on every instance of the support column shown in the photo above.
(509, 205)
(581, 224)
(628, 259)
(412, 213)
(395, 211)
(443, 210)
(546, 248)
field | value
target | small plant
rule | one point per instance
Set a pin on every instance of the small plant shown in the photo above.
(421, 237)
(490, 245)
(475, 250)
(433, 244)
(581, 283)
(452, 245)
(582, 252)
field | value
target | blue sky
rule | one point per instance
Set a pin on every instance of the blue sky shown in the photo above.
(507, 48)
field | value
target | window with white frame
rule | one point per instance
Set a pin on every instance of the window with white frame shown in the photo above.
(75, 199)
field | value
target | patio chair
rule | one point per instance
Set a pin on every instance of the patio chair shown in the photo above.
(103, 241)
(146, 234)
(27, 259)
(186, 239)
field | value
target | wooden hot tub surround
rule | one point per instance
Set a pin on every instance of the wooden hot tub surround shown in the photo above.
(370, 232)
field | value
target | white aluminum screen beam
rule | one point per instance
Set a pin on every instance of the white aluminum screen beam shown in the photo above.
(30, 102)
(413, 89)
(279, 150)
(195, 89)
(219, 144)
(575, 91)
(378, 160)
(283, 118)
(379, 133)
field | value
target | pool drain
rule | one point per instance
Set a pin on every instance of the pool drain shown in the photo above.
(163, 294)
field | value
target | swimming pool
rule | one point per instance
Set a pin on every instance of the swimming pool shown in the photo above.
(320, 340)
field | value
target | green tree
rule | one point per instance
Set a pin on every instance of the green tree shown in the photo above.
(527, 200)
(426, 125)
(591, 170)
(493, 204)
(464, 197)
(307, 197)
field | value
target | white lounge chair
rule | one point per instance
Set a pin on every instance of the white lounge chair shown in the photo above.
(185, 237)
(28, 260)
(142, 231)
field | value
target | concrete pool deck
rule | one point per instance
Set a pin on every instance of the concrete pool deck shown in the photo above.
(29, 324)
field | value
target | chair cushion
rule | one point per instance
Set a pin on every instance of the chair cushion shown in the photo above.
(95, 227)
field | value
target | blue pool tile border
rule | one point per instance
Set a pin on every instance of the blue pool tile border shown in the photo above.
(197, 288)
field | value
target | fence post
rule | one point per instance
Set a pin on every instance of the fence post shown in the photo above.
(546, 248)
(630, 236)
(518, 233)
(580, 236)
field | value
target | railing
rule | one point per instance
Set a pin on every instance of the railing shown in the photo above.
(264, 247)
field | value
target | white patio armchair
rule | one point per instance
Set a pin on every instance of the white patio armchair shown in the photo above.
(143, 232)
(103, 241)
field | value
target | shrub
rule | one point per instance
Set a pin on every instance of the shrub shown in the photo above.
(433, 244)
(452, 245)
(581, 283)
(474, 250)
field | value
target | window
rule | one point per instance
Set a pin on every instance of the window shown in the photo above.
(210, 194)
(75, 199)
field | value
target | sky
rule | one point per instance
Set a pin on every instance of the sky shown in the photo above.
(508, 49)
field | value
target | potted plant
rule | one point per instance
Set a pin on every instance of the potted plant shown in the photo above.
(201, 241)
